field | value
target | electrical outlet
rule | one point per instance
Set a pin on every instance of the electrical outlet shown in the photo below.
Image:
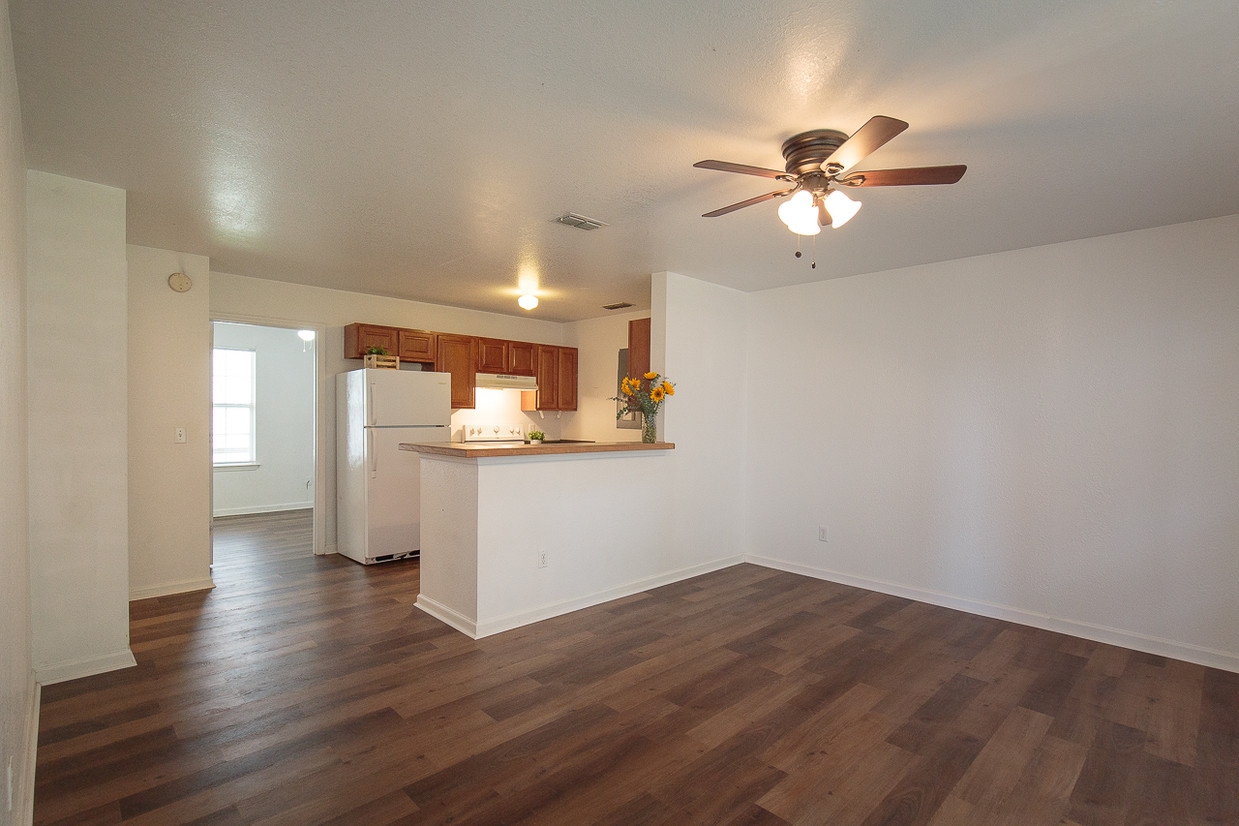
(180, 435)
(821, 534)
(542, 560)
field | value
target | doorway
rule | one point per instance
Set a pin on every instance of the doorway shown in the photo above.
(264, 434)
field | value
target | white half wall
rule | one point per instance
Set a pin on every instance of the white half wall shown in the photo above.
(19, 697)
(285, 427)
(1046, 435)
(169, 377)
(604, 521)
(76, 369)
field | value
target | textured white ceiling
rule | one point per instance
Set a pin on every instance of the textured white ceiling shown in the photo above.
(421, 150)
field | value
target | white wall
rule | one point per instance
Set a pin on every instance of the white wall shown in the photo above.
(598, 342)
(285, 423)
(1047, 435)
(76, 369)
(169, 369)
(18, 695)
(238, 298)
(699, 341)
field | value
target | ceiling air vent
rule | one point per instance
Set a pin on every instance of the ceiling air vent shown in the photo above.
(580, 221)
(619, 305)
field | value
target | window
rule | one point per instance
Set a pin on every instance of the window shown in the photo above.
(232, 396)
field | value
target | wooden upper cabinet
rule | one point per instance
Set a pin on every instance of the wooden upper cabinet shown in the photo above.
(417, 345)
(492, 355)
(638, 347)
(458, 355)
(360, 337)
(521, 358)
(567, 378)
(556, 371)
(466, 356)
(497, 355)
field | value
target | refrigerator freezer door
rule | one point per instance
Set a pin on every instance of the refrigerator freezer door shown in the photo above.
(406, 397)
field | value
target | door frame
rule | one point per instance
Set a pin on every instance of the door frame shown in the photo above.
(320, 506)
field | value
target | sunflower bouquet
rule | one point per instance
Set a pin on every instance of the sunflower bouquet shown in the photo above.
(646, 394)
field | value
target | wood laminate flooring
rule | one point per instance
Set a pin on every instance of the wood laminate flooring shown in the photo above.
(316, 693)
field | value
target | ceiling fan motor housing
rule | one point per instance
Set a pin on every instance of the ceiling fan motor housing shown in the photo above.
(806, 152)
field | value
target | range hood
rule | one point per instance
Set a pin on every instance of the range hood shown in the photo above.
(504, 381)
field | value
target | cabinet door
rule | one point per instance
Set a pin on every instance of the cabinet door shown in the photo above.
(567, 378)
(638, 347)
(548, 376)
(492, 355)
(521, 358)
(360, 337)
(417, 345)
(458, 356)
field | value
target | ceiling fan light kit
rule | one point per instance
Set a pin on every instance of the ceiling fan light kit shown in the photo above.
(819, 161)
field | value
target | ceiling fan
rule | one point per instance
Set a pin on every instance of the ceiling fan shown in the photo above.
(819, 164)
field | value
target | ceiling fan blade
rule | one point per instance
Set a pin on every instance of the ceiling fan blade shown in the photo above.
(913, 176)
(877, 130)
(749, 202)
(725, 166)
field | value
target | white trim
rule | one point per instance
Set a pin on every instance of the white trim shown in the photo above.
(62, 672)
(236, 466)
(1199, 655)
(478, 630)
(244, 510)
(23, 796)
(185, 586)
(447, 616)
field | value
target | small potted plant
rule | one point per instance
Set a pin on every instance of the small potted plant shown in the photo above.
(536, 437)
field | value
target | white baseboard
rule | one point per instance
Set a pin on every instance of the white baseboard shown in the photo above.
(1224, 660)
(497, 625)
(62, 672)
(23, 795)
(447, 616)
(183, 587)
(244, 510)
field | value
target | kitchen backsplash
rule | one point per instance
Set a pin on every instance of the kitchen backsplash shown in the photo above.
(504, 407)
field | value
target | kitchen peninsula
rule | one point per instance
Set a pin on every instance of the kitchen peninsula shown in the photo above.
(513, 534)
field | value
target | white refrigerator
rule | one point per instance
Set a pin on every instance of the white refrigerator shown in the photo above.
(378, 486)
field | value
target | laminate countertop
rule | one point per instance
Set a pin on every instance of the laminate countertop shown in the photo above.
(468, 450)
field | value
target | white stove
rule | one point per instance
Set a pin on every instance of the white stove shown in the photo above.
(493, 433)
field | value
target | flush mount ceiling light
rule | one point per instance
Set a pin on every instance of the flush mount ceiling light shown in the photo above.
(819, 161)
(527, 301)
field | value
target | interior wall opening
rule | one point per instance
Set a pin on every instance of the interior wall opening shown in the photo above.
(263, 434)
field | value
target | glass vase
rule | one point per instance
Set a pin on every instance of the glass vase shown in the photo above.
(649, 430)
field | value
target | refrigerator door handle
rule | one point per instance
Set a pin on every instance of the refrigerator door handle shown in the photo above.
(374, 458)
(370, 402)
